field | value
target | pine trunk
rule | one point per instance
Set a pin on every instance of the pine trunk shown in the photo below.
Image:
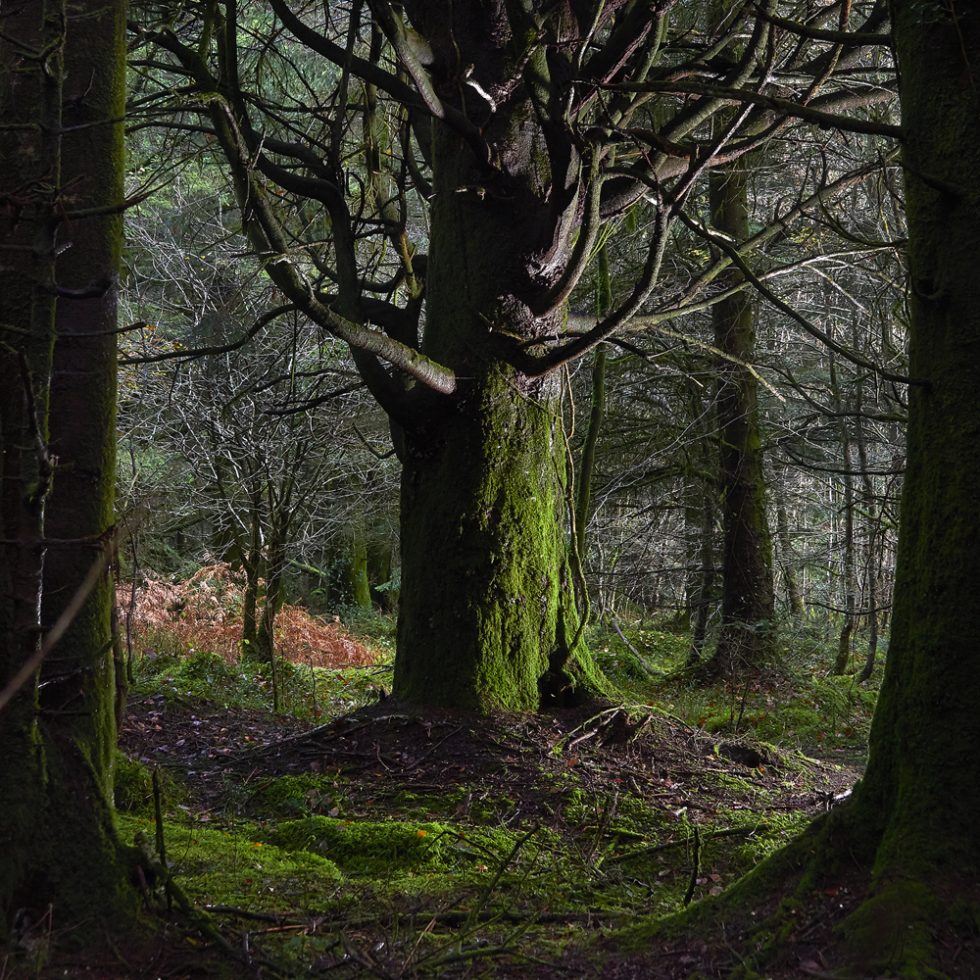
(748, 602)
(59, 736)
(913, 818)
(920, 792)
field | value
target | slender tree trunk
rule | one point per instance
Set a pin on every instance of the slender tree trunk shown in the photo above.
(874, 529)
(357, 572)
(59, 737)
(583, 504)
(275, 571)
(380, 572)
(700, 515)
(794, 595)
(265, 637)
(252, 566)
(848, 549)
(702, 600)
(747, 586)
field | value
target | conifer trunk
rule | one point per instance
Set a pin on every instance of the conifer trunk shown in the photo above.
(921, 790)
(912, 820)
(748, 602)
(59, 736)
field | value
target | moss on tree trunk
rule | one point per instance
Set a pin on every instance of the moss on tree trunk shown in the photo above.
(59, 735)
(357, 573)
(487, 615)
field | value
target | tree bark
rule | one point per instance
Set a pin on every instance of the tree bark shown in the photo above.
(748, 603)
(920, 794)
(910, 826)
(487, 615)
(59, 736)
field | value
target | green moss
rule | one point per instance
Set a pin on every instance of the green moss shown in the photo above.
(314, 693)
(891, 933)
(295, 796)
(487, 617)
(133, 790)
(243, 869)
(382, 849)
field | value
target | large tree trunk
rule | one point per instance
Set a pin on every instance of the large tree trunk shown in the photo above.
(59, 736)
(919, 801)
(487, 615)
(908, 835)
(30, 101)
(748, 604)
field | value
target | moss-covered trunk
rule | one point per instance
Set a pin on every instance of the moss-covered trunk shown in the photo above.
(911, 824)
(357, 573)
(487, 615)
(921, 794)
(59, 735)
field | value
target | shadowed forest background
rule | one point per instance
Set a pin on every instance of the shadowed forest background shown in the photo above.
(488, 488)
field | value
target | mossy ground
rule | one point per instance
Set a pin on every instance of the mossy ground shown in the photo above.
(382, 843)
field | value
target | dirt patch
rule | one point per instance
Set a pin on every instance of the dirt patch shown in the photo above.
(384, 750)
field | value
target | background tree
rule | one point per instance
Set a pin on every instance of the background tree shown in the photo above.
(247, 427)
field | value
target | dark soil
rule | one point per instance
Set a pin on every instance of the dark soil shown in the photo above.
(383, 750)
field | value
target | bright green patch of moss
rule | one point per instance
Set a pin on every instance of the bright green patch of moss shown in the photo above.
(367, 848)
(217, 867)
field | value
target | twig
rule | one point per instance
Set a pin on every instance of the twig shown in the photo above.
(161, 844)
(695, 867)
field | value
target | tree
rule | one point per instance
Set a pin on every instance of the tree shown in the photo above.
(906, 842)
(914, 815)
(61, 171)
(269, 443)
(492, 141)
(748, 603)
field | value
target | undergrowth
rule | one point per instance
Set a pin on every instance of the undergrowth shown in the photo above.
(328, 871)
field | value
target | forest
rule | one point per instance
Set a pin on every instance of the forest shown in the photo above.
(488, 489)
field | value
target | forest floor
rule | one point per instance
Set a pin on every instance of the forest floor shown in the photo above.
(347, 836)
(387, 844)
